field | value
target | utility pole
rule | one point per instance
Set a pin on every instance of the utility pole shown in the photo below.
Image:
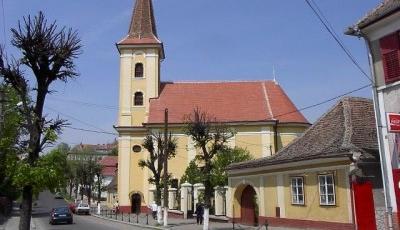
(166, 142)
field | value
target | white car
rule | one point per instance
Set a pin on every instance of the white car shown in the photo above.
(82, 209)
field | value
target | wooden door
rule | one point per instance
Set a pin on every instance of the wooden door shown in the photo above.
(248, 206)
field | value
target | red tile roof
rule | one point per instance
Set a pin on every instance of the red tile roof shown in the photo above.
(249, 101)
(109, 164)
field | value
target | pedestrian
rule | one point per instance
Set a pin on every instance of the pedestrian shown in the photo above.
(199, 213)
(153, 208)
(116, 207)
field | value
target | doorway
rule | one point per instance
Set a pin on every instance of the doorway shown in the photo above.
(248, 206)
(136, 201)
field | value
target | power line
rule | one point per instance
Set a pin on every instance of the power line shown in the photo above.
(332, 32)
(325, 101)
(78, 120)
(91, 131)
(85, 103)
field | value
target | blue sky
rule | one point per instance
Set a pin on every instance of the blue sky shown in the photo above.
(204, 40)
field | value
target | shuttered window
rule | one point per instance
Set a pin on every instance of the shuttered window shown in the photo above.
(390, 51)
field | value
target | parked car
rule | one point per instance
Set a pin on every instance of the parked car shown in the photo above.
(72, 207)
(58, 195)
(82, 208)
(61, 215)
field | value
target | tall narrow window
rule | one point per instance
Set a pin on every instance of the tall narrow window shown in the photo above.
(297, 190)
(139, 70)
(138, 99)
(326, 189)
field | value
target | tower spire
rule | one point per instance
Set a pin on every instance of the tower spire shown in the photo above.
(143, 24)
(142, 29)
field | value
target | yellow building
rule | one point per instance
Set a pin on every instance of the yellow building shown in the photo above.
(310, 182)
(260, 112)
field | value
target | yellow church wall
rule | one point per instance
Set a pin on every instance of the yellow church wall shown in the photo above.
(250, 142)
(287, 134)
(178, 164)
(136, 183)
(138, 115)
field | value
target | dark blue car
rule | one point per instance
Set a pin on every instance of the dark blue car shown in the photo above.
(61, 215)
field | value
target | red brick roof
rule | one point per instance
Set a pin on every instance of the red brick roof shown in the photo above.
(142, 29)
(226, 101)
(109, 164)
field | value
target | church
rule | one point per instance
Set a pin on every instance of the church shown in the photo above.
(262, 115)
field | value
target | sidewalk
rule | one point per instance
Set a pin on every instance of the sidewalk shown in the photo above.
(12, 222)
(146, 221)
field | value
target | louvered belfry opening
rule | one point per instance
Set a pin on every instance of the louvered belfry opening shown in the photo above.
(390, 51)
(138, 100)
(139, 70)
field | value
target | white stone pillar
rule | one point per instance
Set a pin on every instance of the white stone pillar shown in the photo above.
(185, 192)
(219, 195)
(227, 198)
(196, 192)
(171, 198)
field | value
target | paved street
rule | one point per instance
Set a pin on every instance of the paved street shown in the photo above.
(46, 202)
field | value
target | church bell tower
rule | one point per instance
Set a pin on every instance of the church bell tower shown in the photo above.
(140, 54)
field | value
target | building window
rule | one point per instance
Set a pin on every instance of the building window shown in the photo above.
(326, 189)
(297, 190)
(138, 99)
(390, 51)
(136, 149)
(139, 70)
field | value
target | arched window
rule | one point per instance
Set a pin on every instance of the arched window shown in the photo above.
(139, 70)
(138, 100)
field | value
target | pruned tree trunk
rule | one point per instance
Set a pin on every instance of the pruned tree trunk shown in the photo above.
(71, 186)
(26, 211)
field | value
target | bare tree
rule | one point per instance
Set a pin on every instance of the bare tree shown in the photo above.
(49, 52)
(211, 137)
(154, 144)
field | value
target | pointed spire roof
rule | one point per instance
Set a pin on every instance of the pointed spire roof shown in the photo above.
(142, 29)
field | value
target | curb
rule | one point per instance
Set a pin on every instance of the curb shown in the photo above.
(133, 224)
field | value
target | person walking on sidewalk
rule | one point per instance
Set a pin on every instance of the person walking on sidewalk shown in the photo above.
(199, 213)
(153, 207)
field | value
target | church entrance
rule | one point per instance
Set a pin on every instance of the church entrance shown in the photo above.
(249, 206)
(136, 201)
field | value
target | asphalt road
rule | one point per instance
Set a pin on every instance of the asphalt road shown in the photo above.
(41, 216)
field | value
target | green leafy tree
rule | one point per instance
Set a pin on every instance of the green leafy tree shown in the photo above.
(87, 172)
(48, 173)
(192, 174)
(154, 144)
(9, 138)
(224, 158)
(49, 53)
(210, 137)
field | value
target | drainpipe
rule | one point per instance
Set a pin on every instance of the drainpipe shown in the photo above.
(275, 127)
(386, 173)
